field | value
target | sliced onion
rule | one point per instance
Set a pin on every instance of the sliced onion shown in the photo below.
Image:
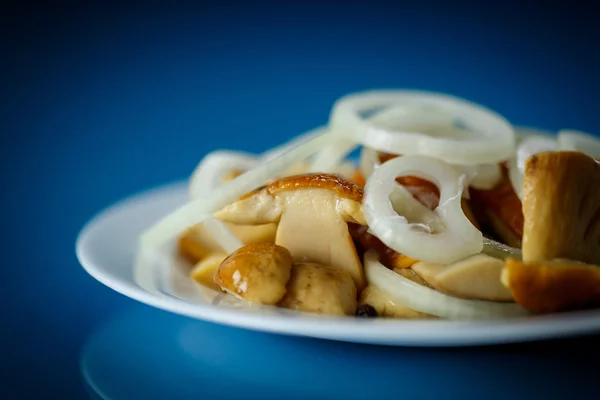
(369, 161)
(487, 177)
(572, 140)
(458, 240)
(409, 116)
(200, 209)
(212, 168)
(528, 146)
(222, 235)
(492, 140)
(420, 298)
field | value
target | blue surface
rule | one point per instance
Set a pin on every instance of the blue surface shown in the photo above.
(100, 102)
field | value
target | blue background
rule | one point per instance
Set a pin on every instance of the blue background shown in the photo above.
(102, 101)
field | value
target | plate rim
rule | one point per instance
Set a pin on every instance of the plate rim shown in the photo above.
(392, 332)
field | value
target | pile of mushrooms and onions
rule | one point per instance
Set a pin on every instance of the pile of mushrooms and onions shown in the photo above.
(450, 212)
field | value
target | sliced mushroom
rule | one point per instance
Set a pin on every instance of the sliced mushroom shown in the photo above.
(320, 289)
(197, 242)
(561, 206)
(385, 307)
(313, 212)
(257, 273)
(205, 270)
(553, 286)
(476, 277)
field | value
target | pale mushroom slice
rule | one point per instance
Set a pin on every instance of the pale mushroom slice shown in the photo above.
(313, 212)
(320, 289)
(561, 207)
(197, 242)
(257, 273)
(385, 307)
(553, 286)
(205, 270)
(476, 277)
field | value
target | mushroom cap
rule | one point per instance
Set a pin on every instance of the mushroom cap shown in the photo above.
(264, 204)
(552, 286)
(320, 289)
(257, 273)
(561, 207)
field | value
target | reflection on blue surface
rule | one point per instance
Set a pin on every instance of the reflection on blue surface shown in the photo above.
(143, 353)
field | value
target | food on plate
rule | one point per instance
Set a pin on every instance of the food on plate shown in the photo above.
(320, 288)
(312, 212)
(450, 212)
(383, 306)
(204, 270)
(197, 242)
(475, 277)
(553, 286)
(561, 205)
(256, 272)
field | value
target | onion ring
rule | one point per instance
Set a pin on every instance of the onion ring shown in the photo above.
(458, 240)
(493, 143)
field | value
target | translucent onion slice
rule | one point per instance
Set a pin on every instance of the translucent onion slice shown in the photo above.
(369, 161)
(222, 235)
(212, 169)
(491, 138)
(459, 238)
(572, 140)
(500, 250)
(429, 301)
(487, 177)
(529, 145)
(483, 176)
(198, 210)
(408, 116)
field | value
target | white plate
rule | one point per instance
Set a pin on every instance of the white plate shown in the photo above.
(106, 248)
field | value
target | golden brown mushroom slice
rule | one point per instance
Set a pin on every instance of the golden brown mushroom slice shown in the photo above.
(475, 277)
(561, 207)
(257, 273)
(313, 212)
(320, 289)
(553, 286)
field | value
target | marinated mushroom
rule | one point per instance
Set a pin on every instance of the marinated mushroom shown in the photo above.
(552, 286)
(257, 273)
(320, 288)
(312, 212)
(561, 207)
(476, 277)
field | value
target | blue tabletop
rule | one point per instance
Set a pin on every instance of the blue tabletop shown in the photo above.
(102, 101)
